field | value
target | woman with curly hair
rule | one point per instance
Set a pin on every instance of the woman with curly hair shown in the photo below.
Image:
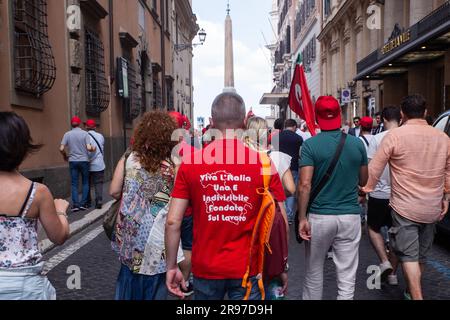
(144, 181)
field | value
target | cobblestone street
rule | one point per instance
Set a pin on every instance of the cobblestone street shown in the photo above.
(99, 269)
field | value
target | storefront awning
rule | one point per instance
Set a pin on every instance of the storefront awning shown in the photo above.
(279, 99)
(427, 40)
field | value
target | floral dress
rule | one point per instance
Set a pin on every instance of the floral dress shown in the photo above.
(145, 197)
(18, 238)
(20, 258)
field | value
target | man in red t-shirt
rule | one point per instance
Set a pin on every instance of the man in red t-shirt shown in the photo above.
(221, 185)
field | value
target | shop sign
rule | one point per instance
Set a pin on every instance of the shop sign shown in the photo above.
(397, 39)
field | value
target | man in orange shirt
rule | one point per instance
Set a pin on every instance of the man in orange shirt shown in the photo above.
(419, 158)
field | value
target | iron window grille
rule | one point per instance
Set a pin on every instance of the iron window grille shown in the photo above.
(97, 89)
(135, 94)
(34, 63)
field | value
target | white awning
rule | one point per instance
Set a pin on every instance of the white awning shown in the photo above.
(279, 99)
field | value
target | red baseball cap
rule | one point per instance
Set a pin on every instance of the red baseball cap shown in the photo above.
(328, 113)
(178, 117)
(181, 120)
(366, 123)
(91, 123)
(187, 123)
(76, 120)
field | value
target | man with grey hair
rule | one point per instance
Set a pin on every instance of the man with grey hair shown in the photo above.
(222, 190)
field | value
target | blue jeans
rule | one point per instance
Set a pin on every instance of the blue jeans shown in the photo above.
(291, 201)
(186, 233)
(132, 286)
(77, 168)
(205, 289)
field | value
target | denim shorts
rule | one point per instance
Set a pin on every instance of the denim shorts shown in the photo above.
(26, 284)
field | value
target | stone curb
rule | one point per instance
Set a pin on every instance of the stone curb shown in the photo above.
(78, 226)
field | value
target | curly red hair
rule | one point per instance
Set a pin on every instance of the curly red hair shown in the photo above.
(153, 139)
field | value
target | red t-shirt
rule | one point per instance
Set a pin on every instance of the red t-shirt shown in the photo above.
(186, 150)
(221, 183)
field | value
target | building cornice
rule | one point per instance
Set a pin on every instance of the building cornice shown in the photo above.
(184, 10)
(335, 19)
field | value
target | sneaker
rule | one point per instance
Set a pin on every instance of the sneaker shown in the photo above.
(330, 255)
(75, 209)
(407, 295)
(83, 208)
(189, 289)
(392, 280)
(98, 206)
(385, 270)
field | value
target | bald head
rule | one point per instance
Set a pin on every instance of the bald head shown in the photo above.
(228, 111)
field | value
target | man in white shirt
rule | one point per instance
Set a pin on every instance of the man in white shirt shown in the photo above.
(366, 125)
(379, 211)
(97, 162)
(303, 132)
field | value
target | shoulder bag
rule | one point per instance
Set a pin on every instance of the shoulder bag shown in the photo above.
(321, 185)
(110, 218)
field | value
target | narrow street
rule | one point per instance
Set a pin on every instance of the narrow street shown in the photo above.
(99, 267)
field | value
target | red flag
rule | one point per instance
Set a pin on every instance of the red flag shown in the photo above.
(300, 100)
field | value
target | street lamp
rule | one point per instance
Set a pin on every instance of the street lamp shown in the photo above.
(202, 37)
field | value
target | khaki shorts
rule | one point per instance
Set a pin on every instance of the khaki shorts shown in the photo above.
(411, 241)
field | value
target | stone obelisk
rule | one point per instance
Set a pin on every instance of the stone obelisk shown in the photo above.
(229, 62)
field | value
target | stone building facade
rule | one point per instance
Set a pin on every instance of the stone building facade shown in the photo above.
(184, 31)
(345, 39)
(297, 23)
(307, 27)
(60, 58)
(414, 56)
(354, 39)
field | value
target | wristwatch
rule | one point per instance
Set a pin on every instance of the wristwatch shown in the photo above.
(286, 268)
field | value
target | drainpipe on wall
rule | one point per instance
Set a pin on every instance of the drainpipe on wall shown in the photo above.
(112, 59)
(163, 55)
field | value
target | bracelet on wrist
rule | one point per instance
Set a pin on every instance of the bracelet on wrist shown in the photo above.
(62, 214)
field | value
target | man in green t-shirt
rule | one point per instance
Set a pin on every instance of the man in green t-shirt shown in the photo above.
(333, 219)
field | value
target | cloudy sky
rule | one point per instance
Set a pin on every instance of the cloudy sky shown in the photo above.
(252, 68)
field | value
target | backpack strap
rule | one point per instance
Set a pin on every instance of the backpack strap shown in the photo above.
(98, 144)
(267, 169)
(261, 231)
(365, 140)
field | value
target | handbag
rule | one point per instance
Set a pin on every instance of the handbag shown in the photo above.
(323, 182)
(110, 218)
(276, 261)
